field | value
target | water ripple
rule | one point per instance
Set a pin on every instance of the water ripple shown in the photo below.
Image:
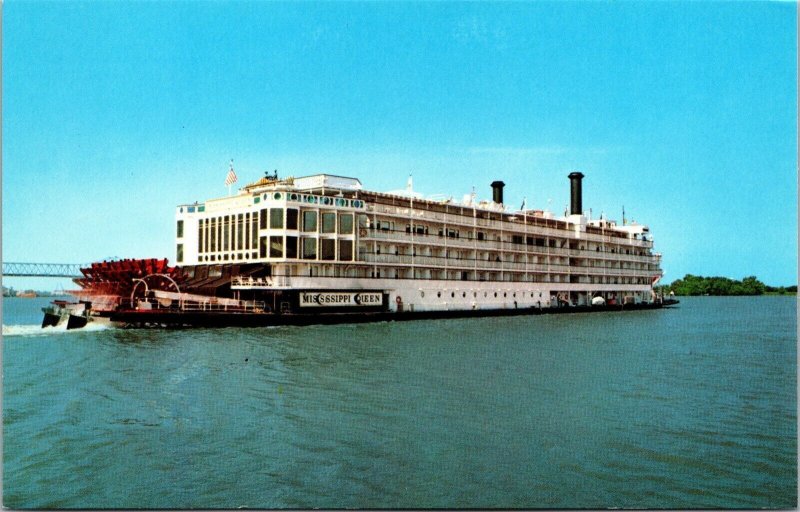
(692, 407)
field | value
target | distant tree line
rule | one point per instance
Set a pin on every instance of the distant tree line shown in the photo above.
(699, 285)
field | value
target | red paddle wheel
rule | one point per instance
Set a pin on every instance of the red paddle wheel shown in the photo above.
(108, 284)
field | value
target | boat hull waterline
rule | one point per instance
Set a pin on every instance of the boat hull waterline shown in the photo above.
(179, 319)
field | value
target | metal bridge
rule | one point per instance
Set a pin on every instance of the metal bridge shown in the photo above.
(43, 269)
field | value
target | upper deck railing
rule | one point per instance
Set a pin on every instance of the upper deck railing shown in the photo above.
(434, 240)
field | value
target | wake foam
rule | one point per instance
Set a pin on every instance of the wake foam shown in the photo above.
(38, 330)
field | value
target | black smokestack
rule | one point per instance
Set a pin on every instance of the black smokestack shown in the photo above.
(497, 191)
(576, 193)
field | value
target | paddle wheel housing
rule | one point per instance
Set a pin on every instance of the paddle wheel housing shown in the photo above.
(109, 284)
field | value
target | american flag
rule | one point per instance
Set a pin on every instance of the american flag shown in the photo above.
(231, 178)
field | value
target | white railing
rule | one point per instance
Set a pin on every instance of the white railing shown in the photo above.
(259, 282)
(440, 263)
(253, 306)
(251, 282)
(402, 238)
(517, 226)
(244, 306)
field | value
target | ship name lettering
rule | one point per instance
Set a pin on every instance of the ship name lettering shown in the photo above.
(341, 299)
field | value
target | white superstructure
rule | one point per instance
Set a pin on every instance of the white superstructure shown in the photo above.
(325, 234)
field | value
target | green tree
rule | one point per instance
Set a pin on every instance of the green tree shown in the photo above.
(699, 285)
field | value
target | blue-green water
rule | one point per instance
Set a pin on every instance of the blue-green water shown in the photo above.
(688, 407)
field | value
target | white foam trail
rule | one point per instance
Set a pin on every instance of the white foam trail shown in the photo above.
(37, 330)
(92, 327)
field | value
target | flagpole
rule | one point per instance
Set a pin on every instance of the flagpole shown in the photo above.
(230, 179)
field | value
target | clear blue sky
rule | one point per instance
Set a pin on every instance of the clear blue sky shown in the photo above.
(685, 113)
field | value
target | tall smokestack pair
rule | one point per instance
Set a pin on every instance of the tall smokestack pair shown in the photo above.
(575, 189)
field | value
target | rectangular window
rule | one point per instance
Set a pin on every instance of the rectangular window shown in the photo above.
(291, 246)
(179, 253)
(346, 224)
(345, 250)
(291, 218)
(226, 231)
(310, 221)
(200, 236)
(264, 217)
(247, 231)
(329, 223)
(517, 239)
(239, 230)
(309, 248)
(254, 232)
(180, 229)
(276, 246)
(213, 235)
(276, 218)
(262, 249)
(207, 243)
(327, 248)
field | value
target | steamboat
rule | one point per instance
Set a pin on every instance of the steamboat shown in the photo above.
(322, 249)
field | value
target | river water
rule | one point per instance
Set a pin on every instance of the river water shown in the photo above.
(693, 406)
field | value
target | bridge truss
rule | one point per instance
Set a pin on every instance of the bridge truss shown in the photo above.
(42, 269)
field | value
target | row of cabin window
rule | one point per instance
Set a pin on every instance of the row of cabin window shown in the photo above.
(226, 233)
(275, 247)
(454, 233)
(273, 218)
(222, 257)
(218, 231)
(480, 236)
(309, 248)
(475, 294)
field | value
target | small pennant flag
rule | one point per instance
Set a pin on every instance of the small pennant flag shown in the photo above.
(524, 203)
(231, 178)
